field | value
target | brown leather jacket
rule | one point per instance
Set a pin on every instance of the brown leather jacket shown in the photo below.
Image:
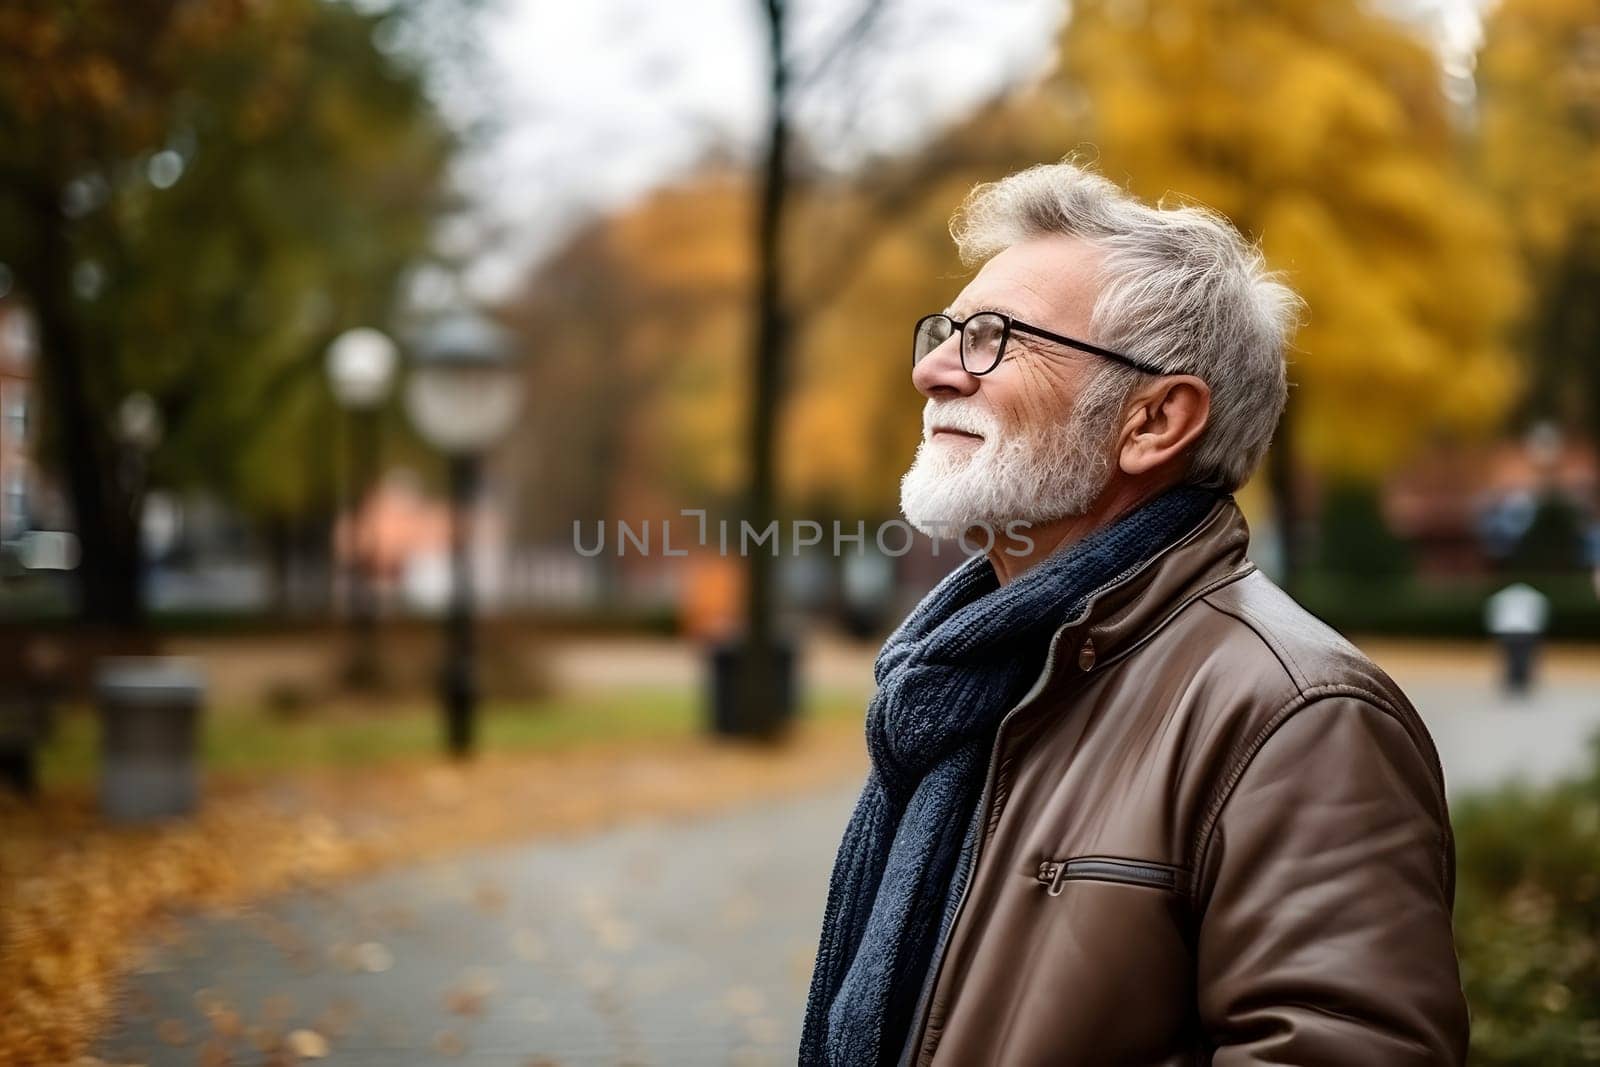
(1214, 832)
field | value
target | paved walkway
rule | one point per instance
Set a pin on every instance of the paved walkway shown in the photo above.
(1485, 739)
(662, 943)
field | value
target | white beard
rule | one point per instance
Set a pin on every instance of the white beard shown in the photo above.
(1030, 474)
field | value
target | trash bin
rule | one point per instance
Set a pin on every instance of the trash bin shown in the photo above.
(736, 711)
(149, 722)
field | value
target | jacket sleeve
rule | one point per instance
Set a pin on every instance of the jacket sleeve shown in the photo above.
(1325, 890)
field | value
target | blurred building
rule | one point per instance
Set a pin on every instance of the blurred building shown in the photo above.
(1462, 507)
(37, 548)
(400, 539)
(17, 469)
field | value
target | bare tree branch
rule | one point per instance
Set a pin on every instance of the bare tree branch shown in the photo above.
(844, 46)
(887, 202)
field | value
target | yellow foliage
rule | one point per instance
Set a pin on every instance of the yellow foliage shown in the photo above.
(1539, 79)
(1320, 130)
(1539, 150)
(1318, 127)
(854, 420)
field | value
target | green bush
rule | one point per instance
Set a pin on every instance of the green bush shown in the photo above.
(1528, 921)
(1553, 542)
(1421, 608)
(1355, 540)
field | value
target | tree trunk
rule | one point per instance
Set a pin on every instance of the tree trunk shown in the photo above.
(769, 341)
(109, 573)
(1282, 484)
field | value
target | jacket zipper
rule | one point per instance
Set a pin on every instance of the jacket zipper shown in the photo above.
(1054, 873)
(919, 1019)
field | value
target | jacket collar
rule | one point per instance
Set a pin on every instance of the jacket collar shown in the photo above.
(1122, 615)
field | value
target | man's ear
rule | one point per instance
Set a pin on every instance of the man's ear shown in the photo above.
(1163, 420)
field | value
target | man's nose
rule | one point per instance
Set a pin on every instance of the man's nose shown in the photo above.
(940, 373)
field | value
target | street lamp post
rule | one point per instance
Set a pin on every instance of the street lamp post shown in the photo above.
(360, 368)
(138, 428)
(462, 396)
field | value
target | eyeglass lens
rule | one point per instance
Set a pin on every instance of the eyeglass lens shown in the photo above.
(981, 341)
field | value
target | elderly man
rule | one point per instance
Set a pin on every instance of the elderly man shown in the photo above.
(1128, 802)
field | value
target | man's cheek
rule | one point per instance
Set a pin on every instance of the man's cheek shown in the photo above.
(1040, 390)
(1031, 409)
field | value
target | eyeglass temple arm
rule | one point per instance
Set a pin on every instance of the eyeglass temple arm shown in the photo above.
(1085, 346)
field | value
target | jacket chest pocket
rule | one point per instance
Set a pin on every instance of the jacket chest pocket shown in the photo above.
(1055, 874)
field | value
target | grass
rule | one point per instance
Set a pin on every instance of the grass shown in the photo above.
(255, 740)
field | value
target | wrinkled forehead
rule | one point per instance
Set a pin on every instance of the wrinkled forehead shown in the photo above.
(1049, 281)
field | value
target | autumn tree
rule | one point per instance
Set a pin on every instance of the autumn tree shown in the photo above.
(195, 198)
(638, 402)
(1319, 129)
(636, 323)
(1539, 150)
(1322, 130)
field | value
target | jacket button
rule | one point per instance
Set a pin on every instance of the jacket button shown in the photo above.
(1086, 655)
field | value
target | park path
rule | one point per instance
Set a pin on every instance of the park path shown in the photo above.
(1486, 738)
(662, 942)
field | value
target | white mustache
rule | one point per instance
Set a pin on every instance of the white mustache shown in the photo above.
(959, 415)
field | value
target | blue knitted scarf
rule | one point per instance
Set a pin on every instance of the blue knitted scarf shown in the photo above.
(946, 676)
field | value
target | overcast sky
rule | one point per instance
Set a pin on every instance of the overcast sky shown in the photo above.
(598, 102)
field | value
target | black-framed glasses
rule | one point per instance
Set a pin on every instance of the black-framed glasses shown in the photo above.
(984, 337)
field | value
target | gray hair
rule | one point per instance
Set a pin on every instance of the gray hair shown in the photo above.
(1181, 289)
